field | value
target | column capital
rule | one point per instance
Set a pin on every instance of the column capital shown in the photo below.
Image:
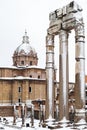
(79, 30)
(50, 39)
(63, 33)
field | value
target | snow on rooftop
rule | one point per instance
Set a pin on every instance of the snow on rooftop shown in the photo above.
(20, 78)
(22, 67)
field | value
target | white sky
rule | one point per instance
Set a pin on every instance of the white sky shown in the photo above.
(32, 15)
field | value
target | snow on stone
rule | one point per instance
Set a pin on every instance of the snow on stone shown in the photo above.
(9, 125)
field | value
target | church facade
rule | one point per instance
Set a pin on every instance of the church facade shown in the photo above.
(23, 82)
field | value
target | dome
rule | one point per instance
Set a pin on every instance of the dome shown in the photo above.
(25, 54)
(25, 48)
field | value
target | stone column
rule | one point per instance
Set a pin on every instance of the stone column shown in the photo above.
(80, 66)
(50, 76)
(14, 116)
(32, 115)
(23, 115)
(63, 75)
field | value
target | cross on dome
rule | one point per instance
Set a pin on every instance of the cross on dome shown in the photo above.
(25, 32)
(25, 38)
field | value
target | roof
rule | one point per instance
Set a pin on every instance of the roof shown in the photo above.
(22, 67)
(21, 78)
(25, 48)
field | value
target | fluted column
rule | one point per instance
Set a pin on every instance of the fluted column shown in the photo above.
(50, 76)
(80, 67)
(63, 75)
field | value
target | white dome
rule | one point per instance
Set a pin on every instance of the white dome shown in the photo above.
(25, 48)
(25, 54)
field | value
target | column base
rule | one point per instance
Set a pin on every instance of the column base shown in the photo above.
(14, 123)
(81, 124)
(80, 116)
(64, 122)
(22, 125)
(49, 122)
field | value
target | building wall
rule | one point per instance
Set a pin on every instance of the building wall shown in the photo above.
(31, 88)
(5, 91)
(17, 60)
(12, 80)
(6, 111)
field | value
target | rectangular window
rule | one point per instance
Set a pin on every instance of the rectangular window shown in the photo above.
(19, 100)
(30, 62)
(19, 89)
(22, 62)
(30, 90)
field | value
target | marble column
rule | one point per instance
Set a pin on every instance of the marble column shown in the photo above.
(32, 115)
(80, 66)
(14, 116)
(63, 75)
(50, 76)
(23, 114)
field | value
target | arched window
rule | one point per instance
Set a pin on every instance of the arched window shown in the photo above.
(38, 76)
(30, 76)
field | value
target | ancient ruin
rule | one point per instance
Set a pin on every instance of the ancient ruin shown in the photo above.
(62, 21)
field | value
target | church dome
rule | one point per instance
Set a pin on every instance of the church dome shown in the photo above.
(25, 54)
(25, 48)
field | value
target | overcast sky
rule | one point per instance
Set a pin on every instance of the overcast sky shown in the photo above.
(32, 15)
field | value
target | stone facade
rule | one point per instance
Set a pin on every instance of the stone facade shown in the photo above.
(6, 111)
(22, 88)
(23, 82)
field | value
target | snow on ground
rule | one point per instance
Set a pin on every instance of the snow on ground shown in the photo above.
(9, 125)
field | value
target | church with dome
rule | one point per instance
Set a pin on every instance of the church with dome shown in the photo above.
(24, 81)
(25, 55)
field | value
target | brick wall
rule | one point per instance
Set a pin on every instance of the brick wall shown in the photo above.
(6, 111)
